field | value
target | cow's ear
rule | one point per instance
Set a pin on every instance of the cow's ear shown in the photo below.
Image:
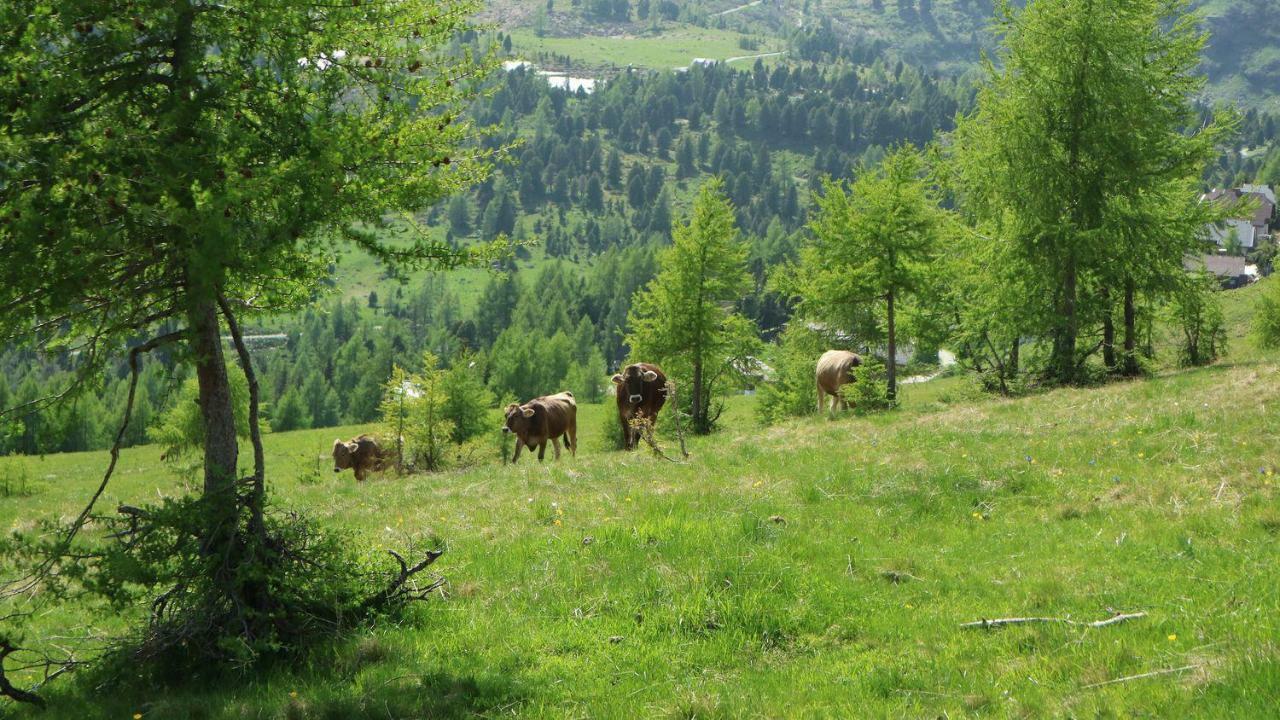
(526, 411)
(353, 446)
(617, 379)
(650, 376)
(336, 443)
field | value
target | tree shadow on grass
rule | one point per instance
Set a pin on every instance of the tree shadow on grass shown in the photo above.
(317, 697)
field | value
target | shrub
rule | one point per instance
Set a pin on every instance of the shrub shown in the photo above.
(467, 400)
(792, 391)
(413, 412)
(869, 391)
(1197, 312)
(1266, 316)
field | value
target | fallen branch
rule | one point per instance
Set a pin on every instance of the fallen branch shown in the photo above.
(400, 588)
(1153, 673)
(1001, 622)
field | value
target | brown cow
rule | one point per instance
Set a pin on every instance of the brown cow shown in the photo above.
(641, 389)
(542, 419)
(835, 370)
(361, 454)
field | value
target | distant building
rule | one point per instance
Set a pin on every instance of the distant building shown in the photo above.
(569, 84)
(1232, 271)
(704, 62)
(1253, 225)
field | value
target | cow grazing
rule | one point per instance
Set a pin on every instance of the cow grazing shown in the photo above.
(641, 390)
(542, 419)
(835, 369)
(361, 455)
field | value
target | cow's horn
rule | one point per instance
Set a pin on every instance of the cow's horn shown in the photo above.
(650, 376)
(617, 379)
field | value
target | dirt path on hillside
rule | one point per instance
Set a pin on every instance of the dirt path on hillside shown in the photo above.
(736, 9)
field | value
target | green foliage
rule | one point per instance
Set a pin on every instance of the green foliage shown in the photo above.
(468, 402)
(868, 392)
(315, 582)
(415, 408)
(1094, 206)
(684, 319)
(180, 429)
(793, 390)
(871, 251)
(1266, 316)
(587, 380)
(1197, 312)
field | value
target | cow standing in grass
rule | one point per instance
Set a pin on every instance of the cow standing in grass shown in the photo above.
(641, 390)
(361, 455)
(542, 419)
(835, 369)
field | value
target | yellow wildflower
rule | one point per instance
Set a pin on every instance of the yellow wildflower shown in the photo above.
(293, 693)
(1173, 637)
(556, 521)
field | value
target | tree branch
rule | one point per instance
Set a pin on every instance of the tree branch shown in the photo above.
(255, 433)
(29, 582)
(988, 624)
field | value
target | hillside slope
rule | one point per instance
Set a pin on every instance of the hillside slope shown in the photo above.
(820, 568)
(1242, 60)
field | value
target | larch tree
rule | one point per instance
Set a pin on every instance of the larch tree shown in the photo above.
(686, 319)
(169, 165)
(869, 252)
(1079, 154)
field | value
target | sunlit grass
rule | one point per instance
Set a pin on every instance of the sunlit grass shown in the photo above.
(819, 568)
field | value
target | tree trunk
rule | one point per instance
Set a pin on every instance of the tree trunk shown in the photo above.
(1108, 334)
(1064, 341)
(1014, 351)
(221, 448)
(1130, 368)
(699, 409)
(891, 367)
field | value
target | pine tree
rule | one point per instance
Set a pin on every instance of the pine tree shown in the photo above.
(683, 320)
(872, 246)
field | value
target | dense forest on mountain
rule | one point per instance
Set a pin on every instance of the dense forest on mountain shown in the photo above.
(596, 182)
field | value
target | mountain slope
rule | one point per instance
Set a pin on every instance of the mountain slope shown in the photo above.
(1242, 60)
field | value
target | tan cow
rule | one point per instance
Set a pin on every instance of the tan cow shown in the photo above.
(542, 419)
(361, 454)
(835, 369)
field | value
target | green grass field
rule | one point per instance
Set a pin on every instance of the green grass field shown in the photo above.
(816, 569)
(673, 47)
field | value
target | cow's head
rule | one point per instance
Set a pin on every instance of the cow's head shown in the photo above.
(631, 382)
(519, 418)
(343, 455)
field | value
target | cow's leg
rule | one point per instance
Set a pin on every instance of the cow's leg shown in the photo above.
(822, 399)
(359, 471)
(571, 437)
(519, 447)
(542, 450)
(555, 445)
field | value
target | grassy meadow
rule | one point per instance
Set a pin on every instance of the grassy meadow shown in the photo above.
(815, 569)
(670, 48)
